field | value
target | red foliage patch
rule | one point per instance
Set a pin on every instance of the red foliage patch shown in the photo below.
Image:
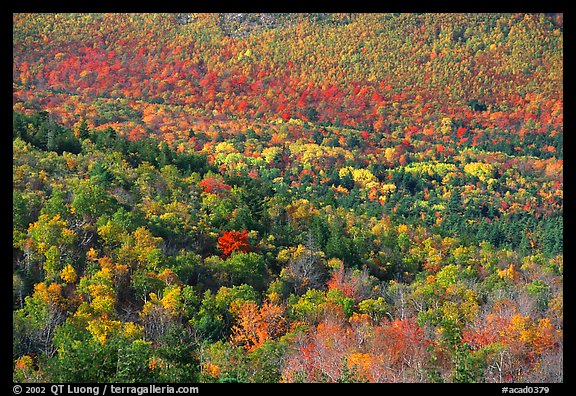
(233, 241)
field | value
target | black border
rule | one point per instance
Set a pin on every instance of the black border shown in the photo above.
(338, 6)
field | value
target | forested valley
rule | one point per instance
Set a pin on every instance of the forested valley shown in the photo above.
(329, 197)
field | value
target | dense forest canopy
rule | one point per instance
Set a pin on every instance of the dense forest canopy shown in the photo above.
(287, 197)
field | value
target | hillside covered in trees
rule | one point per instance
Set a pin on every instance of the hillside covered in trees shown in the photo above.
(287, 197)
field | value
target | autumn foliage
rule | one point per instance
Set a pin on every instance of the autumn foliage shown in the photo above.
(233, 241)
(310, 197)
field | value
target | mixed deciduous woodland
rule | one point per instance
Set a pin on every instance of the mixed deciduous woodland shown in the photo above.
(287, 197)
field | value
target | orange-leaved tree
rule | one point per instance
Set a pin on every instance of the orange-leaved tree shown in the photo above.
(255, 325)
(233, 241)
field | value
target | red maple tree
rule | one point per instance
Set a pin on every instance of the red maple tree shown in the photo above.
(233, 241)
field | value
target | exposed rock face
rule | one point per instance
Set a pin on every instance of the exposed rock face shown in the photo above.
(243, 24)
